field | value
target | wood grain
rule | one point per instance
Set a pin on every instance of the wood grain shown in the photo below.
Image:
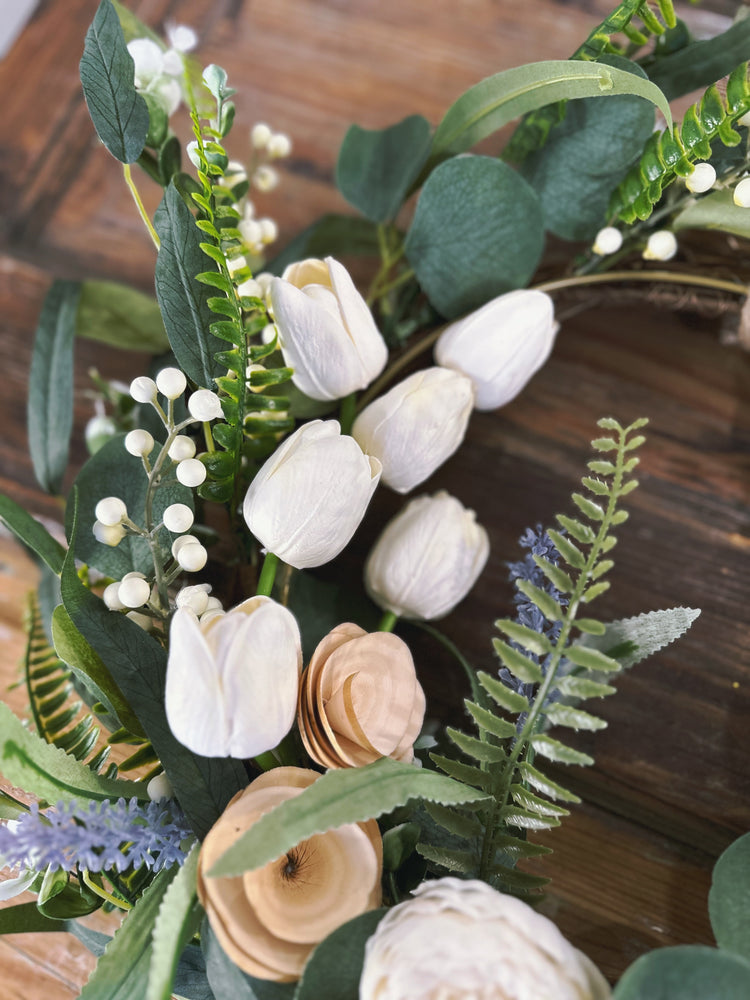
(671, 786)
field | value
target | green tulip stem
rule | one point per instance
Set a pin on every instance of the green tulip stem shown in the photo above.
(388, 622)
(347, 412)
(267, 575)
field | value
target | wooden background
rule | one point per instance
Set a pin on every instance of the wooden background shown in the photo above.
(671, 786)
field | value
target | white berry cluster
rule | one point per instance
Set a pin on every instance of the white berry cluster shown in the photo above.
(157, 69)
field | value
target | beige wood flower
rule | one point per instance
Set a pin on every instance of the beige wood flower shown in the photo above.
(268, 921)
(360, 699)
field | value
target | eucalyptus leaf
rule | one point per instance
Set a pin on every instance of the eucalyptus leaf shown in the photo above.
(178, 919)
(716, 210)
(118, 111)
(330, 236)
(497, 100)
(111, 313)
(42, 769)
(114, 472)
(229, 981)
(183, 300)
(50, 403)
(699, 64)
(477, 232)
(690, 972)
(631, 640)
(29, 531)
(376, 168)
(334, 969)
(729, 898)
(350, 795)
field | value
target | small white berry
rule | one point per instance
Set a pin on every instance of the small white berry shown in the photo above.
(178, 517)
(608, 240)
(702, 178)
(139, 443)
(250, 289)
(264, 279)
(268, 333)
(265, 178)
(110, 511)
(191, 472)
(279, 145)
(171, 382)
(741, 195)
(160, 788)
(182, 37)
(661, 245)
(143, 389)
(108, 534)
(269, 231)
(251, 232)
(236, 263)
(134, 592)
(192, 558)
(179, 543)
(260, 135)
(205, 405)
(213, 604)
(111, 597)
(195, 597)
(181, 448)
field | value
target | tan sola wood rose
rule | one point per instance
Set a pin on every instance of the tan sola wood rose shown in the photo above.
(269, 920)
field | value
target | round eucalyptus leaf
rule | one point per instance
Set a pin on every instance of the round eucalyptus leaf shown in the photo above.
(729, 898)
(333, 970)
(477, 232)
(688, 972)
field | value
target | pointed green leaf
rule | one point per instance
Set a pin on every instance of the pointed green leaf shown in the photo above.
(455, 860)
(604, 444)
(489, 722)
(517, 881)
(574, 718)
(512, 701)
(582, 687)
(581, 532)
(549, 607)
(591, 593)
(535, 642)
(596, 486)
(527, 800)
(520, 665)
(461, 824)
(642, 635)
(635, 442)
(628, 488)
(601, 568)
(587, 507)
(590, 625)
(570, 552)
(559, 753)
(534, 777)
(518, 848)
(620, 516)
(556, 576)
(32, 533)
(609, 543)
(525, 820)
(609, 424)
(479, 749)
(591, 657)
(602, 468)
(178, 919)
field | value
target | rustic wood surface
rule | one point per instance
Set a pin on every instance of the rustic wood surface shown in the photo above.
(671, 786)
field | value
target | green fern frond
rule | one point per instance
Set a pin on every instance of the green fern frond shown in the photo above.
(671, 154)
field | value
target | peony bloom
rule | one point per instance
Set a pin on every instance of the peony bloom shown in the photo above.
(307, 500)
(416, 426)
(326, 331)
(232, 679)
(269, 920)
(459, 938)
(427, 558)
(501, 345)
(360, 699)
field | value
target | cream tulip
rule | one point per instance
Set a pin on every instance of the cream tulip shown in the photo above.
(232, 680)
(307, 500)
(326, 331)
(416, 426)
(501, 345)
(461, 938)
(427, 558)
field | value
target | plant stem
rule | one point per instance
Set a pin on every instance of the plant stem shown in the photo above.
(121, 904)
(388, 622)
(141, 209)
(674, 277)
(347, 412)
(267, 575)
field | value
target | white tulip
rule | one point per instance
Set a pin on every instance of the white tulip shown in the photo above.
(461, 938)
(308, 498)
(501, 345)
(427, 558)
(326, 331)
(231, 687)
(416, 426)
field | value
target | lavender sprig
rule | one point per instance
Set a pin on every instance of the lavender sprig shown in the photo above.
(96, 836)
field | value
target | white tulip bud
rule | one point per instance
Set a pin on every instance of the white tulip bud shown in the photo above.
(195, 598)
(702, 178)
(416, 426)
(608, 240)
(111, 597)
(279, 145)
(260, 135)
(160, 788)
(178, 517)
(427, 559)
(232, 681)
(143, 389)
(326, 331)
(179, 543)
(501, 345)
(108, 534)
(192, 558)
(462, 938)
(661, 245)
(205, 405)
(139, 443)
(134, 591)
(265, 178)
(148, 61)
(171, 382)
(309, 497)
(111, 510)
(191, 472)
(741, 194)
(181, 448)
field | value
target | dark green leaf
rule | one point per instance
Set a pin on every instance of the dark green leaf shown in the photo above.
(697, 65)
(464, 825)
(716, 210)
(32, 533)
(333, 970)
(452, 858)
(687, 972)
(119, 113)
(398, 844)
(729, 898)
(375, 169)
(115, 314)
(332, 235)
(228, 982)
(532, 776)
(50, 403)
(320, 606)
(477, 232)
(183, 300)
(176, 923)
(25, 918)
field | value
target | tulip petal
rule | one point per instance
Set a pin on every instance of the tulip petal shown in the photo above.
(371, 348)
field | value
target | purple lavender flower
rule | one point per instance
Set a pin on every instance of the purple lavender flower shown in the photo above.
(96, 836)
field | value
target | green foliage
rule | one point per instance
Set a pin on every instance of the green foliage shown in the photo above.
(64, 897)
(330, 236)
(716, 210)
(227, 980)
(477, 232)
(178, 919)
(115, 314)
(119, 113)
(631, 640)
(690, 972)
(29, 531)
(729, 899)
(536, 689)
(50, 402)
(699, 64)
(375, 169)
(334, 969)
(673, 153)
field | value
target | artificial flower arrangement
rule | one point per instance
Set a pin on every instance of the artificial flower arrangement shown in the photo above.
(292, 829)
